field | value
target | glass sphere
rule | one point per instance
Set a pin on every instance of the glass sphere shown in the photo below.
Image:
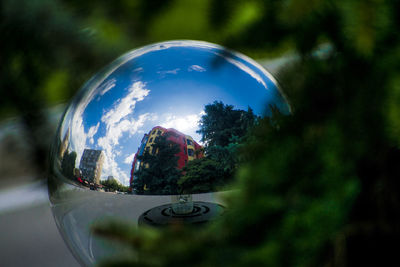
(152, 139)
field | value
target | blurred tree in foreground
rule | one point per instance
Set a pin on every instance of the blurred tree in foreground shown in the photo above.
(322, 185)
(45, 57)
(321, 190)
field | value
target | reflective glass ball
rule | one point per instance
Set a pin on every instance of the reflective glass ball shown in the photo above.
(151, 139)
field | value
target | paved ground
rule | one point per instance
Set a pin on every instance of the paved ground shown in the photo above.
(29, 236)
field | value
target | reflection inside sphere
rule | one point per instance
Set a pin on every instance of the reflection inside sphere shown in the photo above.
(154, 138)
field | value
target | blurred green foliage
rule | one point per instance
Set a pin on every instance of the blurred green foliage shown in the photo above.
(114, 185)
(322, 185)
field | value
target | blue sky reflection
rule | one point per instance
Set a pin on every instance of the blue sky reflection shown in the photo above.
(165, 85)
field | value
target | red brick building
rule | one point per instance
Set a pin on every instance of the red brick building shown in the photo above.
(189, 148)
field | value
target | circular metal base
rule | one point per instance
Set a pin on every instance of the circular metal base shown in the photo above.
(164, 215)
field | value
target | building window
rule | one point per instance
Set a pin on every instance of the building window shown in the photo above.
(137, 165)
(189, 142)
(153, 150)
(158, 132)
(151, 140)
(190, 152)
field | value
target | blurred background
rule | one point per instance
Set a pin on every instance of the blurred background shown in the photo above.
(331, 199)
(49, 49)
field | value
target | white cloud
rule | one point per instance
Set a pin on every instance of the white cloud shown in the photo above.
(78, 134)
(92, 131)
(165, 72)
(196, 68)
(186, 124)
(183, 123)
(78, 137)
(126, 105)
(140, 69)
(129, 159)
(111, 139)
(118, 122)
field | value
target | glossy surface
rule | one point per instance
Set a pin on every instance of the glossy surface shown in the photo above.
(155, 94)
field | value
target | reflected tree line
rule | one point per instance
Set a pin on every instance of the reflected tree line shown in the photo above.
(113, 185)
(224, 130)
